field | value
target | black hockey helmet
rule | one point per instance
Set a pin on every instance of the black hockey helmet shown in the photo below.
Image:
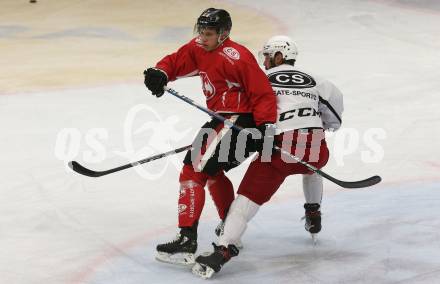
(218, 19)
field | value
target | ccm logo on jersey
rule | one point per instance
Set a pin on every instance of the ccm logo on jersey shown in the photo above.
(301, 112)
(291, 79)
(232, 53)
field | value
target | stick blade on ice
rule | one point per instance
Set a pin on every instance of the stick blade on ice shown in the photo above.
(77, 167)
(361, 183)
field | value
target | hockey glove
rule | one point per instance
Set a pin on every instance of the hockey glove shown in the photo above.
(266, 141)
(155, 80)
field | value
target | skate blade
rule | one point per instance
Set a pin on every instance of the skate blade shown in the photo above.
(182, 259)
(202, 271)
(239, 245)
(314, 238)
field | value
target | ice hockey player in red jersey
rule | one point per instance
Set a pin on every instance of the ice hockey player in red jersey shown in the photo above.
(235, 87)
(306, 105)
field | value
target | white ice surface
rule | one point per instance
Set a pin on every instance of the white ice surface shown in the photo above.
(58, 227)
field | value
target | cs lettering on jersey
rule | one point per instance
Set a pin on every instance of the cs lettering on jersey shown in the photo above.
(301, 112)
(207, 86)
(291, 79)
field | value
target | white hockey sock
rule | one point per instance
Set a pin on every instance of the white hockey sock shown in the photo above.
(241, 211)
(312, 186)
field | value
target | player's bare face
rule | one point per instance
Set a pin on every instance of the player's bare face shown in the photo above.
(208, 39)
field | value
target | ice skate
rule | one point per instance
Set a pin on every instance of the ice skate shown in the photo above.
(313, 220)
(208, 264)
(314, 238)
(179, 251)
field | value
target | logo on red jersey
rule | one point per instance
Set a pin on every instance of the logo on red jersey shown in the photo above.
(207, 86)
(232, 53)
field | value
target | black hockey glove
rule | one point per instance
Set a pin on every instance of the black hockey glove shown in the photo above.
(266, 142)
(155, 80)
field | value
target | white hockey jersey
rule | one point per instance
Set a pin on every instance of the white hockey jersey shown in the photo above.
(304, 101)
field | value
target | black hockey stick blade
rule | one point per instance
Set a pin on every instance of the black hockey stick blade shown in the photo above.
(362, 183)
(353, 184)
(77, 167)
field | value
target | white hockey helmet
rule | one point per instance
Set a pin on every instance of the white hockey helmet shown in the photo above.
(282, 44)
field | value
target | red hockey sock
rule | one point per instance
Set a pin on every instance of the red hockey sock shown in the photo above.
(222, 193)
(192, 195)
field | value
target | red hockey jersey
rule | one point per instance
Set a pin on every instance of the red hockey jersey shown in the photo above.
(232, 81)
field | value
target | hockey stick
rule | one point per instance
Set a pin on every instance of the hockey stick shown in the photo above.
(347, 184)
(77, 167)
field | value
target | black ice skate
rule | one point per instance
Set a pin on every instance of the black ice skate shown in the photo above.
(208, 264)
(313, 219)
(179, 251)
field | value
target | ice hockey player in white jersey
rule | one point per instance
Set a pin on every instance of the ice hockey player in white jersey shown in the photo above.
(306, 105)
